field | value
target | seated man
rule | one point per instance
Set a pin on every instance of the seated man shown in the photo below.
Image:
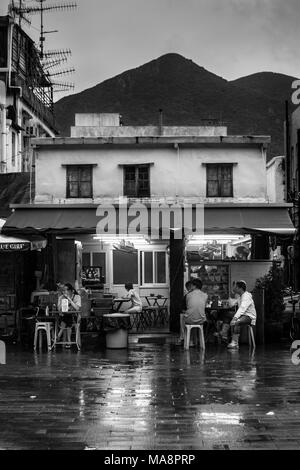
(245, 315)
(188, 287)
(196, 301)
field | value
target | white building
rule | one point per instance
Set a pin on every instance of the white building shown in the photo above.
(202, 167)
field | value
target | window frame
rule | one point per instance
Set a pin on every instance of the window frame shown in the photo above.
(79, 195)
(142, 269)
(220, 180)
(136, 168)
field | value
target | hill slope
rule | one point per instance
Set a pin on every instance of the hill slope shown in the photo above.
(187, 93)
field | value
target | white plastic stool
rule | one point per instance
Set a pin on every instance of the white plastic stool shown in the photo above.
(187, 335)
(251, 338)
(39, 327)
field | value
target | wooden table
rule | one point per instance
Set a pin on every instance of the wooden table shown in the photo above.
(155, 299)
(159, 313)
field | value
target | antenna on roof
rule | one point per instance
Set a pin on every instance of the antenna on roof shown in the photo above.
(21, 9)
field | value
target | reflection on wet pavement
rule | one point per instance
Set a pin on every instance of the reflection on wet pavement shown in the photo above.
(150, 396)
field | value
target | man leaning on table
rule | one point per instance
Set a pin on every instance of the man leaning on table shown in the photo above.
(245, 315)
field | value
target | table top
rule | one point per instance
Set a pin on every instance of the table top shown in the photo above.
(116, 315)
(155, 297)
(220, 308)
(121, 300)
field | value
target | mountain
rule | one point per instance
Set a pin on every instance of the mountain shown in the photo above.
(188, 94)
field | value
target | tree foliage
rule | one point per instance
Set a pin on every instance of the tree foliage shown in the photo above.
(273, 286)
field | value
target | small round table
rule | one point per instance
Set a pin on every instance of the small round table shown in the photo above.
(116, 326)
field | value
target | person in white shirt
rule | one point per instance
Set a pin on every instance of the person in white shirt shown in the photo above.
(245, 315)
(136, 303)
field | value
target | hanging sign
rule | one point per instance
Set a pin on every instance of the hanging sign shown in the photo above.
(15, 246)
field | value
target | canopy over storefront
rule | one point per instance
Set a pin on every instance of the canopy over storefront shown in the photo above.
(15, 244)
(218, 218)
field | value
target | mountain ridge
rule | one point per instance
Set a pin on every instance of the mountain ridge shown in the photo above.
(187, 93)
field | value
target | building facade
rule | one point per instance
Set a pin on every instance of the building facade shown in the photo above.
(293, 184)
(96, 193)
(26, 97)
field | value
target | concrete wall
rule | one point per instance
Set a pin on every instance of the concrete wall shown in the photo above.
(173, 172)
(147, 131)
(249, 271)
(275, 180)
(108, 125)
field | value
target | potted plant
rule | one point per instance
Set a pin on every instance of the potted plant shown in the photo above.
(273, 286)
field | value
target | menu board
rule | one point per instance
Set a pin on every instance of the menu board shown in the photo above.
(215, 279)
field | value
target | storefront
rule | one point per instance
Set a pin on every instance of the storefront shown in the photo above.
(18, 261)
(235, 244)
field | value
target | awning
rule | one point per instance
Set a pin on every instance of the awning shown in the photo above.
(273, 219)
(13, 244)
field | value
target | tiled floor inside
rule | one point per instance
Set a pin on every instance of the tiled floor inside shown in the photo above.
(151, 396)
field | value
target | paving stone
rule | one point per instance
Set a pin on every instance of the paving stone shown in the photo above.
(150, 397)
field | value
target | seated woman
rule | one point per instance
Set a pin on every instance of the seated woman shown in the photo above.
(74, 304)
(136, 303)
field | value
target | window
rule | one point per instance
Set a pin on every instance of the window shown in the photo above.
(219, 180)
(153, 267)
(79, 181)
(137, 181)
(125, 267)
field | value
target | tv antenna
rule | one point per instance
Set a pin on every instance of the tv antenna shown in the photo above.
(49, 59)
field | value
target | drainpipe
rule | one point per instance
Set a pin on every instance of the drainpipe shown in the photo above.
(287, 159)
(176, 147)
(160, 121)
(3, 126)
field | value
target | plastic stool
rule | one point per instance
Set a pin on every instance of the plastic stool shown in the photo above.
(251, 338)
(39, 327)
(187, 335)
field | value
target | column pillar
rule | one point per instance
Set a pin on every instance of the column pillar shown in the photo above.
(176, 281)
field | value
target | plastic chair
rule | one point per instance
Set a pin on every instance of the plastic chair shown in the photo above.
(187, 335)
(251, 337)
(39, 328)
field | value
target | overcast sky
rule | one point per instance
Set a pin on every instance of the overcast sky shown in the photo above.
(231, 38)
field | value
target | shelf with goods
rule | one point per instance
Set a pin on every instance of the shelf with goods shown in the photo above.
(215, 278)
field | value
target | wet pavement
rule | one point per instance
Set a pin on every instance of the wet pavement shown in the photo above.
(152, 396)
